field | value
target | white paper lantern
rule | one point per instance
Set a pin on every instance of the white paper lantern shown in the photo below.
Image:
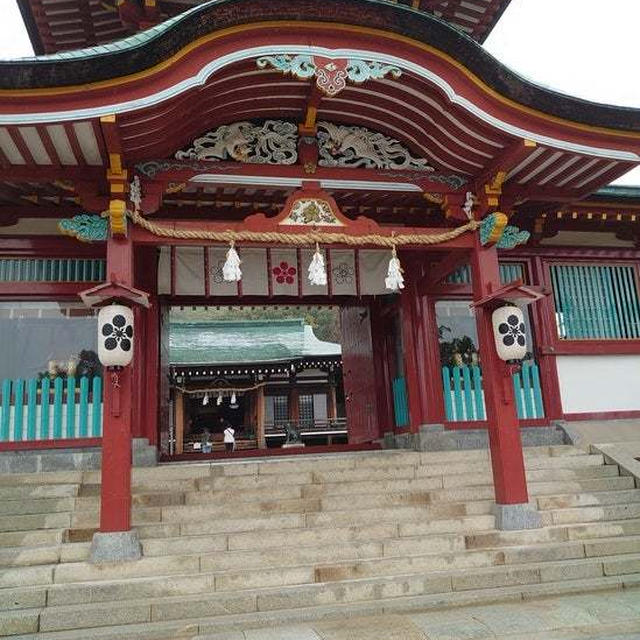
(509, 333)
(115, 335)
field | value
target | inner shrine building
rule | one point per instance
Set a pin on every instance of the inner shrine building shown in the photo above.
(365, 156)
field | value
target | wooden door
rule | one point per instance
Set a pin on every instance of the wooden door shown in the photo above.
(358, 374)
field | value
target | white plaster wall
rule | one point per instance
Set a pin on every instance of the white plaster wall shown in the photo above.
(599, 383)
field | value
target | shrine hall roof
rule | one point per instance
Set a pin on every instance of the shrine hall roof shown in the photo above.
(74, 24)
(240, 342)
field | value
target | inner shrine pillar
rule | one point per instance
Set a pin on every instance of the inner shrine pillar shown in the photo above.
(512, 507)
(115, 541)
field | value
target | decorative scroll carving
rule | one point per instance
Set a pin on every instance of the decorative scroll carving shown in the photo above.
(345, 146)
(512, 237)
(492, 228)
(331, 73)
(85, 227)
(311, 211)
(495, 230)
(274, 142)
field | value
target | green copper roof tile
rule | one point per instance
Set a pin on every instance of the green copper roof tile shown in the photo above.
(239, 342)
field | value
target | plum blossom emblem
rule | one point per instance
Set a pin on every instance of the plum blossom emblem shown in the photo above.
(117, 333)
(284, 273)
(512, 331)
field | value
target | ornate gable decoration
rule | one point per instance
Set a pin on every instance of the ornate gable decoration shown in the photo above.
(311, 211)
(331, 73)
(343, 146)
(276, 142)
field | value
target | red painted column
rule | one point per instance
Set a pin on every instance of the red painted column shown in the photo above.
(507, 459)
(115, 494)
(379, 337)
(544, 324)
(409, 348)
(431, 355)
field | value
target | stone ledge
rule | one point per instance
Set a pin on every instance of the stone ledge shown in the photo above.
(73, 458)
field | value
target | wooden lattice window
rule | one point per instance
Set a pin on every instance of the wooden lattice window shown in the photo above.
(52, 269)
(596, 302)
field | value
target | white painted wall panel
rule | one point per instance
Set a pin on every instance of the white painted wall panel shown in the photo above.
(599, 383)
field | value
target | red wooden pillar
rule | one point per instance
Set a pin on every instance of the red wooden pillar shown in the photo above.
(432, 364)
(115, 495)
(507, 458)
(544, 324)
(147, 359)
(381, 355)
(409, 347)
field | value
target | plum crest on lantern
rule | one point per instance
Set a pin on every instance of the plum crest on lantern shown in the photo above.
(509, 332)
(115, 336)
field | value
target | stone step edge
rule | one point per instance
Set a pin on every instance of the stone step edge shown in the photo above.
(405, 493)
(450, 573)
(195, 537)
(270, 617)
(539, 544)
(89, 477)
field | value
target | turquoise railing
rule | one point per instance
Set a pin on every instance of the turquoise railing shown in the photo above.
(400, 402)
(509, 271)
(464, 395)
(596, 302)
(50, 410)
(52, 270)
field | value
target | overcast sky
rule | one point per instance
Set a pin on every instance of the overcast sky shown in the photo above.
(586, 48)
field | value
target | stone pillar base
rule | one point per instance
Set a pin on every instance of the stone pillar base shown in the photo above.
(114, 547)
(510, 517)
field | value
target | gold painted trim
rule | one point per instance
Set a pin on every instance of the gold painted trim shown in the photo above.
(323, 26)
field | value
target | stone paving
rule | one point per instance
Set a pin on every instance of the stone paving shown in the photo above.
(613, 615)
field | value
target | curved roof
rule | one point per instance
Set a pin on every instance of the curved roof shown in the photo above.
(245, 341)
(144, 50)
(80, 23)
(452, 104)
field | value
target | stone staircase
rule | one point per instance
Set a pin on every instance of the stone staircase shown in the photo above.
(257, 543)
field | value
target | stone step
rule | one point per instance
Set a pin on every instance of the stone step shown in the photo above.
(29, 491)
(50, 554)
(588, 499)
(26, 506)
(244, 509)
(35, 521)
(230, 624)
(31, 538)
(288, 496)
(217, 600)
(437, 457)
(411, 521)
(44, 478)
(595, 513)
(535, 475)
(381, 538)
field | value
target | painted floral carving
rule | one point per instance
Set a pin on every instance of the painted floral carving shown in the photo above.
(284, 273)
(274, 142)
(345, 146)
(331, 73)
(512, 331)
(117, 333)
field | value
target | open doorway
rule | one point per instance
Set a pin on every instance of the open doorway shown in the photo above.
(272, 374)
